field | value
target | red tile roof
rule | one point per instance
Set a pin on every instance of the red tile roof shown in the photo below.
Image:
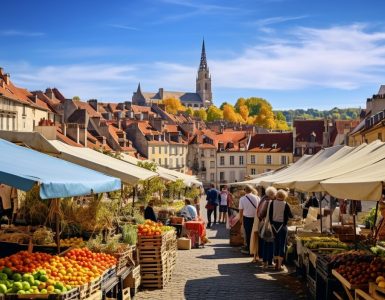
(146, 128)
(264, 142)
(230, 139)
(90, 110)
(304, 128)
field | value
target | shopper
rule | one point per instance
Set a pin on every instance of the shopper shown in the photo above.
(279, 214)
(149, 213)
(188, 212)
(247, 209)
(311, 202)
(197, 205)
(223, 205)
(212, 198)
(266, 248)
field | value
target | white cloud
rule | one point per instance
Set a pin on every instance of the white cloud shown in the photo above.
(276, 20)
(341, 58)
(121, 26)
(12, 32)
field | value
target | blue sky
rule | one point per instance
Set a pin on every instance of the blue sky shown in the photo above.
(294, 53)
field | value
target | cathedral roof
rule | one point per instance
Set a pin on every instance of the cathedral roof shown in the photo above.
(182, 96)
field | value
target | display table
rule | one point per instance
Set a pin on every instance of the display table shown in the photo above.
(197, 231)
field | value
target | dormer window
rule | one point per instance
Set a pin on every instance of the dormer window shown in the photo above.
(312, 137)
(274, 146)
(262, 145)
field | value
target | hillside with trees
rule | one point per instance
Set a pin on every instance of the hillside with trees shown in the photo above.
(308, 114)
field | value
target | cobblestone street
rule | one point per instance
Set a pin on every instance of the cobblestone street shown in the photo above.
(219, 271)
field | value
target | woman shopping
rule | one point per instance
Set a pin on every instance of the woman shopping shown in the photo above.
(279, 214)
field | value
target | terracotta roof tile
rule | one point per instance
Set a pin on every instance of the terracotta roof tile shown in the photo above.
(304, 128)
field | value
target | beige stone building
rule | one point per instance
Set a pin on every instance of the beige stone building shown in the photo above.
(269, 152)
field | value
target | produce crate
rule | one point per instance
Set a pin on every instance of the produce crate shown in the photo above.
(311, 284)
(108, 277)
(133, 279)
(376, 292)
(90, 289)
(324, 286)
(123, 258)
(348, 287)
(361, 295)
(70, 295)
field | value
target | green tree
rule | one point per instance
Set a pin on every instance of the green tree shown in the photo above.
(200, 113)
(150, 186)
(190, 111)
(175, 188)
(214, 113)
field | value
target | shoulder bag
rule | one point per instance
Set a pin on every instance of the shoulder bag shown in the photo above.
(266, 231)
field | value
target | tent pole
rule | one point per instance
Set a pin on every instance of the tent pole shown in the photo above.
(133, 199)
(375, 215)
(57, 221)
(320, 213)
(354, 224)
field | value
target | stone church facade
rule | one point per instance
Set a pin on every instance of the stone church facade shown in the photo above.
(201, 98)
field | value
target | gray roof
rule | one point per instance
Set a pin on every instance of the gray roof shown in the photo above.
(381, 91)
(182, 96)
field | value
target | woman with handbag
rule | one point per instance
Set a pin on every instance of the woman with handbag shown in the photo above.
(279, 213)
(266, 246)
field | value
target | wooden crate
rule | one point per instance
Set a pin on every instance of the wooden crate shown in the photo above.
(376, 292)
(88, 290)
(126, 294)
(348, 287)
(70, 295)
(133, 279)
(361, 295)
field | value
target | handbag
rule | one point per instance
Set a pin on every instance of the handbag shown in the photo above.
(266, 231)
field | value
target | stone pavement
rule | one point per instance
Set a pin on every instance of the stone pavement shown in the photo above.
(219, 271)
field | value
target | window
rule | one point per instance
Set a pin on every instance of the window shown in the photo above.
(212, 177)
(253, 171)
(24, 114)
(7, 122)
(171, 165)
(268, 159)
(160, 161)
(222, 176)
(206, 86)
(283, 160)
(177, 162)
(212, 164)
(253, 159)
(222, 161)
(212, 153)
(153, 150)
(241, 160)
(231, 160)
(165, 161)
(165, 150)
(203, 163)
(232, 176)
(310, 150)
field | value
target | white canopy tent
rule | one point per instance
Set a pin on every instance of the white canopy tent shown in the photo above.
(362, 184)
(300, 166)
(360, 157)
(167, 174)
(97, 161)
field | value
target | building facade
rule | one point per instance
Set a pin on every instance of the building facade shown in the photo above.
(269, 152)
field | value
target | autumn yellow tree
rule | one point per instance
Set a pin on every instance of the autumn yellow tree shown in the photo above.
(244, 112)
(265, 117)
(173, 105)
(200, 113)
(229, 114)
(214, 113)
(280, 121)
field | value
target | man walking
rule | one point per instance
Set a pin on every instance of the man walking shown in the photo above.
(212, 198)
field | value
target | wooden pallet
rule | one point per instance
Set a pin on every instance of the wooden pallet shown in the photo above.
(376, 292)
(88, 290)
(361, 295)
(348, 287)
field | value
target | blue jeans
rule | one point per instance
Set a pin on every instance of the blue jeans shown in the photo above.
(267, 251)
(248, 225)
(280, 239)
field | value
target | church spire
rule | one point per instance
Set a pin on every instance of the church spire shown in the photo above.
(139, 89)
(203, 64)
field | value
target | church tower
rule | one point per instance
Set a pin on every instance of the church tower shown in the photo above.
(203, 81)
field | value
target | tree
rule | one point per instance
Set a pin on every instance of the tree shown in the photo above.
(75, 98)
(190, 111)
(223, 105)
(240, 102)
(265, 117)
(229, 113)
(200, 113)
(176, 187)
(214, 113)
(244, 112)
(173, 105)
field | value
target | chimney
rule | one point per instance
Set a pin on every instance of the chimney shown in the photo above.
(161, 93)
(49, 93)
(94, 104)
(6, 78)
